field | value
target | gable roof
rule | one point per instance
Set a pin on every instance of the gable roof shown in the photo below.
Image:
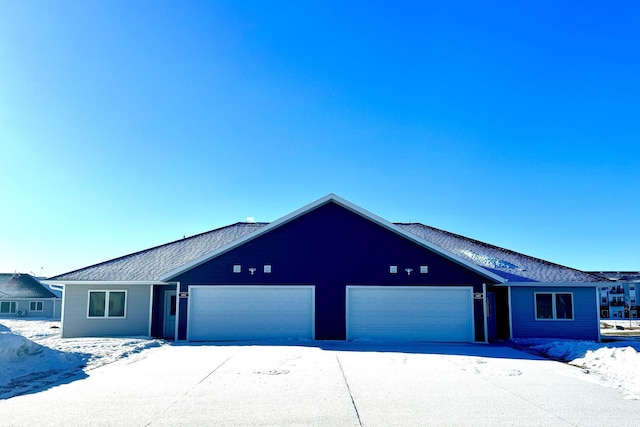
(331, 198)
(22, 286)
(162, 263)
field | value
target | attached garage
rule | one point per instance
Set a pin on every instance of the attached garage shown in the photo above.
(228, 313)
(410, 313)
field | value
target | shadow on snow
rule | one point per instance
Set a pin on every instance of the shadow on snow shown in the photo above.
(497, 351)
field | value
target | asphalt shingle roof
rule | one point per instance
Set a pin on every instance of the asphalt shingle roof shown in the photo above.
(511, 265)
(22, 286)
(152, 264)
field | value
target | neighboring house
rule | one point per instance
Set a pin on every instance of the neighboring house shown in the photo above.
(330, 271)
(620, 299)
(22, 295)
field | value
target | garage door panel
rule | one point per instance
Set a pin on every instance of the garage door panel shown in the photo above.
(250, 312)
(442, 314)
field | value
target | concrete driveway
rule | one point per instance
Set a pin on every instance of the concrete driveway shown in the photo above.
(332, 384)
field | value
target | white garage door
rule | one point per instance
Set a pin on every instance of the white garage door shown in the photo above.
(227, 313)
(437, 314)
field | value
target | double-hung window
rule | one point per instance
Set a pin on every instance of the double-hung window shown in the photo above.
(7, 307)
(35, 306)
(554, 306)
(107, 304)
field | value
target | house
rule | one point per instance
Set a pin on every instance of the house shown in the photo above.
(22, 295)
(329, 271)
(619, 300)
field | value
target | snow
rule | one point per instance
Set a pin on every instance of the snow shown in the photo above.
(32, 356)
(614, 363)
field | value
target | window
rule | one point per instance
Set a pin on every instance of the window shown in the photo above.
(267, 268)
(107, 303)
(237, 268)
(35, 306)
(8, 307)
(393, 269)
(604, 300)
(554, 306)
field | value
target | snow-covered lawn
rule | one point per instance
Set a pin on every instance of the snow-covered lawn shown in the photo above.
(33, 356)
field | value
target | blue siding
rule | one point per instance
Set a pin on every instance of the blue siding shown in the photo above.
(331, 247)
(585, 323)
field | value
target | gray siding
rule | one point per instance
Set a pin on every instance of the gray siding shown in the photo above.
(24, 305)
(77, 324)
(585, 323)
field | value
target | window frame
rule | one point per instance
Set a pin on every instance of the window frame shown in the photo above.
(37, 304)
(13, 304)
(106, 303)
(554, 308)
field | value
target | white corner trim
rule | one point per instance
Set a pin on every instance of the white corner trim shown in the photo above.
(314, 205)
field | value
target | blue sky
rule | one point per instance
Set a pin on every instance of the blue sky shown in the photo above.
(128, 124)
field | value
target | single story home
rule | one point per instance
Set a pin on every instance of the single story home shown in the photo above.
(22, 295)
(330, 271)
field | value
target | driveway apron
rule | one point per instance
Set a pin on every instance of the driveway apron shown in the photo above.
(326, 384)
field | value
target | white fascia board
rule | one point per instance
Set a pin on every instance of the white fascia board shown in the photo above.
(348, 205)
(554, 284)
(106, 282)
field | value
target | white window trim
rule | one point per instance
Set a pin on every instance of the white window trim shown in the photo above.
(37, 303)
(13, 304)
(106, 303)
(553, 307)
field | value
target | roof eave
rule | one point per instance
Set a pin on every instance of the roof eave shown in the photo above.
(105, 282)
(555, 284)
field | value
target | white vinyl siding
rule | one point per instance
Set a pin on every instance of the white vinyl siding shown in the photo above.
(76, 323)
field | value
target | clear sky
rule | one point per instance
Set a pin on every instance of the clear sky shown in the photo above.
(129, 124)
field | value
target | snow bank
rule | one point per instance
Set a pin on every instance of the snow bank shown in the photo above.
(33, 356)
(26, 365)
(614, 364)
(13, 347)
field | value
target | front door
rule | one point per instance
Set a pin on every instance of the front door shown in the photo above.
(169, 330)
